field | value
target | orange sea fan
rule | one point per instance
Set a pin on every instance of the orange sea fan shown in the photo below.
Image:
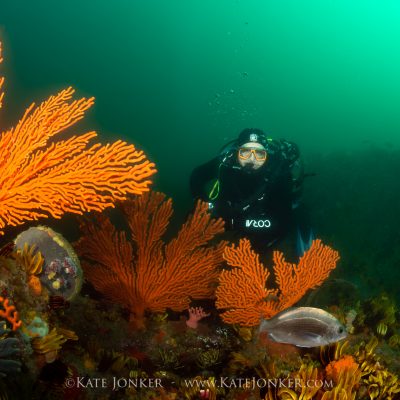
(242, 290)
(41, 177)
(155, 275)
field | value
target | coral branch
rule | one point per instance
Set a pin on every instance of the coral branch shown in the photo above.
(161, 275)
(242, 292)
(42, 177)
(294, 280)
(243, 286)
(10, 314)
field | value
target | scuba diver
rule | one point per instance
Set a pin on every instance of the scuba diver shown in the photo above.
(255, 185)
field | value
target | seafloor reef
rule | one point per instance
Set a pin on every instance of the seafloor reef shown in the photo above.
(87, 347)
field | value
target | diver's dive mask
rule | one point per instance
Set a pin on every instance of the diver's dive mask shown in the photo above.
(259, 154)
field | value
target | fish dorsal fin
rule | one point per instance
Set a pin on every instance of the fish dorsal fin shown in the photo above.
(284, 312)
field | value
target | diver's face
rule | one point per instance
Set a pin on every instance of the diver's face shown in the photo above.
(252, 156)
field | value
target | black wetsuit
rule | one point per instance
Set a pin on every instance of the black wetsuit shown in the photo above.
(255, 203)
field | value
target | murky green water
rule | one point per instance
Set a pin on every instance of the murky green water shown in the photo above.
(180, 78)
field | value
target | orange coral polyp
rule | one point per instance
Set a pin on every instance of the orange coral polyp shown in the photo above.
(41, 177)
(335, 368)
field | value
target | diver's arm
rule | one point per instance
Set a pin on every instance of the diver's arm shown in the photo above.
(201, 175)
(291, 154)
(290, 151)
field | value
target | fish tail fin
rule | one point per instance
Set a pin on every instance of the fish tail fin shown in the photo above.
(302, 245)
(264, 327)
(264, 334)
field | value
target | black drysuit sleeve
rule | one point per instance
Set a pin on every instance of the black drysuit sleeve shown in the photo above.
(202, 175)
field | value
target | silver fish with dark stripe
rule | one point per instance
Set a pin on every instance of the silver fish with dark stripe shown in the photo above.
(304, 327)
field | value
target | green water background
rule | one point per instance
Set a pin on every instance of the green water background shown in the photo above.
(180, 78)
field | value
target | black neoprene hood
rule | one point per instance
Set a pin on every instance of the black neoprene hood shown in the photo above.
(249, 135)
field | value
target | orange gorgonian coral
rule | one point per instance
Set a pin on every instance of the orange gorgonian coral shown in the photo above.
(242, 291)
(42, 177)
(151, 275)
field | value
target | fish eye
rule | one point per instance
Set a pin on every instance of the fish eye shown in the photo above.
(340, 330)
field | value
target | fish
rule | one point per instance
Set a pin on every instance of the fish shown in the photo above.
(7, 249)
(57, 302)
(303, 327)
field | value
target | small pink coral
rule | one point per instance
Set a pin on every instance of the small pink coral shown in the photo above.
(195, 315)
